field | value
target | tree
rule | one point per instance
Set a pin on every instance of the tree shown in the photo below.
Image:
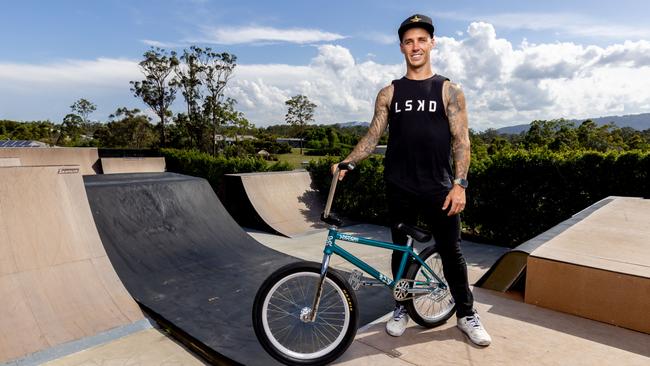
(189, 80)
(217, 69)
(157, 90)
(202, 77)
(70, 129)
(83, 108)
(128, 128)
(300, 112)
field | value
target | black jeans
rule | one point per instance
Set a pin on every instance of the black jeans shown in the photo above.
(406, 207)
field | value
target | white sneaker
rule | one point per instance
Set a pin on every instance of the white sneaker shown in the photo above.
(397, 324)
(471, 325)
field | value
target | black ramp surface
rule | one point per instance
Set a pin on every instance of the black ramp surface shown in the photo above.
(183, 257)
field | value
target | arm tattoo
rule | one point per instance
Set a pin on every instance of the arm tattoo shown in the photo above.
(367, 144)
(458, 125)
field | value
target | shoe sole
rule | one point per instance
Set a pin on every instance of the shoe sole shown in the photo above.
(470, 339)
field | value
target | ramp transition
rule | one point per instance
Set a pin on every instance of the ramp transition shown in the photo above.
(282, 202)
(59, 291)
(182, 256)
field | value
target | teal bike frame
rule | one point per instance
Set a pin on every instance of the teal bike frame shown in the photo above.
(331, 248)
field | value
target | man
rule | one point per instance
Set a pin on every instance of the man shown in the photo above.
(428, 128)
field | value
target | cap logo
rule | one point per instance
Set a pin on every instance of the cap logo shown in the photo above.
(415, 19)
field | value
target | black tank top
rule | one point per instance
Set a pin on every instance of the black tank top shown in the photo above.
(418, 156)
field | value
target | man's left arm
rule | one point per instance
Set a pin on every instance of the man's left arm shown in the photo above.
(460, 146)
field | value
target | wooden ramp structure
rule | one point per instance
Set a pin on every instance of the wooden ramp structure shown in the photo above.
(599, 268)
(58, 290)
(9, 162)
(595, 265)
(509, 272)
(133, 165)
(86, 158)
(284, 202)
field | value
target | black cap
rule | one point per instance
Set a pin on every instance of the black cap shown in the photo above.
(416, 21)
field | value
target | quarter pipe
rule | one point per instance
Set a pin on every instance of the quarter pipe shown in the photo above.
(284, 202)
(57, 286)
(182, 256)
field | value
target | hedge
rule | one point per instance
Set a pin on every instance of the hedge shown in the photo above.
(513, 196)
(213, 168)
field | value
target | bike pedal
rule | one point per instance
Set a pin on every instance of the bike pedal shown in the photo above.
(355, 279)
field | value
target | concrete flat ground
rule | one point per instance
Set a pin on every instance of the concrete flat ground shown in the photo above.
(522, 333)
(146, 348)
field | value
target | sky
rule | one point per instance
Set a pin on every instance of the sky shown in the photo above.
(516, 61)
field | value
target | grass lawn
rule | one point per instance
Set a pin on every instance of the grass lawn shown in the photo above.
(295, 159)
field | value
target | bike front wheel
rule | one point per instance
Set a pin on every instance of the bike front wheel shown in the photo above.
(289, 293)
(437, 305)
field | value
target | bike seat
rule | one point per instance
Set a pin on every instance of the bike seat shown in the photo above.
(332, 219)
(414, 232)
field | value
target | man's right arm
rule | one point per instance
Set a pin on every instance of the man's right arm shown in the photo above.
(367, 144)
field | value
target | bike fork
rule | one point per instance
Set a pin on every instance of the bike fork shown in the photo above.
(319, 290)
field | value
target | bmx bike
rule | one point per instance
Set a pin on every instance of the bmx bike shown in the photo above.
(307, 313)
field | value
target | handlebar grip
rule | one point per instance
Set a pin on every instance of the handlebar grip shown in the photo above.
(346, 166)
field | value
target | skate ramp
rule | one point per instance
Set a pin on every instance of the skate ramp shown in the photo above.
(509, 272)
(133, 165)
(59, 291)
(182, 256)
(599, 268)
(9, 162)
(285, 202)
(86, 158)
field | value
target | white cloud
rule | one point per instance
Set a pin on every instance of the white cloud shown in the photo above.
(560, 23)
(45, 91)
(259, 34)
(505, 84)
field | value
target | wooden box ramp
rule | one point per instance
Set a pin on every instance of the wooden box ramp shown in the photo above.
(285, 202)
(86, 158)
(133, 165)
(58, 290)
(599, 268)
(9, 162)
(182, 257)
(508, 273)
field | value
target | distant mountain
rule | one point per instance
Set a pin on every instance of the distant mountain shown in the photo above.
(353, 124)
(637, 121)
(513, 130)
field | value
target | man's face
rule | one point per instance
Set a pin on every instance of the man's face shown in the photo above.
(416, 46)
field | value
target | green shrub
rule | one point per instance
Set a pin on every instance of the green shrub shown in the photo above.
(198, 164)
(331, 151)
(513, 195)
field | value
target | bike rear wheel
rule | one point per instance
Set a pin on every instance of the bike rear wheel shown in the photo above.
(437, 306)
(286, 294)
